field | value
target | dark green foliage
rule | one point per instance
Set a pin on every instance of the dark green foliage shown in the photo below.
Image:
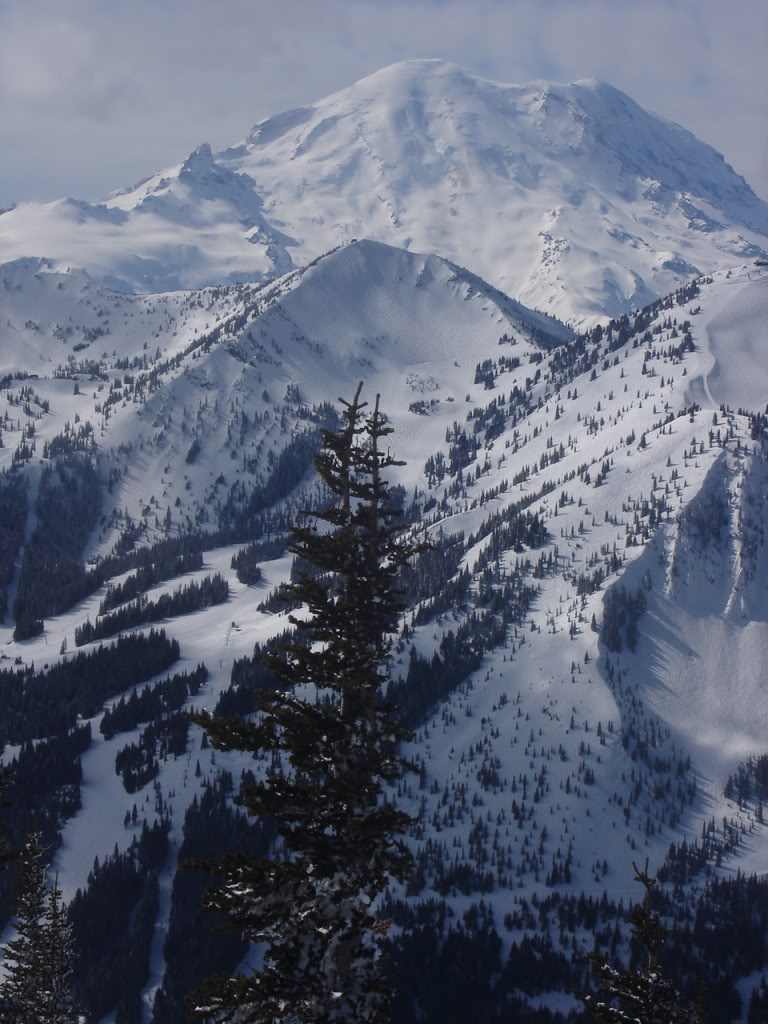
(43, 790)
(715, 935)
(484, 374)
(246, 561)
(113, 922)
(720, 939)
(312, 909)
(153, 701)
(757, 1011)
(705, 519)
(433, 579)
(286, 472)
(194, 451)
(758, 425)
(161, 561)
(514, 528)
(249, 676)
(446, 977)
(644, 995)
(38, 960)
(53, 577)
(461, 653)
(138, 763)
(621, 609)
(48, 703)
(198, 943)
(454, 596)
(45, 766)
(190, 597)
(54, 1002)
(23, 956)
(13, 518)
(453, 973)
(750, 782)
(427, 682)
(73, 439)
(6, 777)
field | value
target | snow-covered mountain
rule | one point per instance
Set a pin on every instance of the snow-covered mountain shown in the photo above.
(572, 198)
(582, 657)
(416, 324)
(612, 679)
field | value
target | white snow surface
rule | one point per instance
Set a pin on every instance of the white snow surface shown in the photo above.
(738, 341)
(572, 198)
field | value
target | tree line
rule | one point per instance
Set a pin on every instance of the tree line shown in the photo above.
(13, 519)
(189, 597)
(162, 561)
(152, 701)
(48, 702)
(52, 576)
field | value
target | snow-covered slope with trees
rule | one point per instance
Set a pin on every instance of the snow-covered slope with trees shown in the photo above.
(572, 197)
(229, 370)
(581, 659)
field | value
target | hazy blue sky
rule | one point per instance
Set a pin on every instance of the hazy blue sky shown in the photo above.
(95, 94)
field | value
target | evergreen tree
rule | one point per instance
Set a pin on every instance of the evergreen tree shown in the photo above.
(23, 957)
(5, 781)
(333, 745)
(38, 959)
(55, 1004)
(632, 996)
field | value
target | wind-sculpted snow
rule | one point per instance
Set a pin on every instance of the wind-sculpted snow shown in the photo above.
(571, 198)
(738, 340)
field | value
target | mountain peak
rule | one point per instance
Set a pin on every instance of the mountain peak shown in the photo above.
(416, 69)
(571, 197)
(199, 159)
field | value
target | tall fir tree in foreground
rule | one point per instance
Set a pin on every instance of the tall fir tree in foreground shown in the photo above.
(632, 996)
(38, 960)
(333, 743)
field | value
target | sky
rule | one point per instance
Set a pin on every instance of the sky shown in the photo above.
(96, 94)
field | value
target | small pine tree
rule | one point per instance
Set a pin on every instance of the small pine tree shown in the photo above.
(333, 750)
(38, 960)
(644, 996)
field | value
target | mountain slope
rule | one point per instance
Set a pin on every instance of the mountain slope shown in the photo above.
(229, 370)
(597, 598)
(570, 197)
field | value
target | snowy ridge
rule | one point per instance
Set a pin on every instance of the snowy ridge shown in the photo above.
(364, 310)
